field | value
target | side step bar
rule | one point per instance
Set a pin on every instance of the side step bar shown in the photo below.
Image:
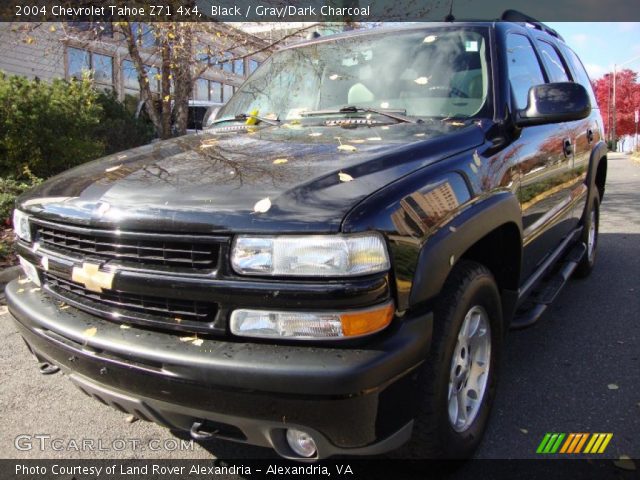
(547, 291)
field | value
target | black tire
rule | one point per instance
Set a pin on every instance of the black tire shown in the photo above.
(469, 284)
(588, 261)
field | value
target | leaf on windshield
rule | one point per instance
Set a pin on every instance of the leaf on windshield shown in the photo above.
(345, 177)
(347, 148)
(280, 161)
(262, 206)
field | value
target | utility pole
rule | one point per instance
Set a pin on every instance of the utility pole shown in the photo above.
(613, 129)
(637, 117)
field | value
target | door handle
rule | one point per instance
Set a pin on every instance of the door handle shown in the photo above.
(567, 147)
(589, 135)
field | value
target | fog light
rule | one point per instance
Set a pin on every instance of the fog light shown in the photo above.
(301, 443)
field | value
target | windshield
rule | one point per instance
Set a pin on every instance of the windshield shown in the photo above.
(437, 72)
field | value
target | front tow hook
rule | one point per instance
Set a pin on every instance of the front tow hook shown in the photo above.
(47, 369)
(198, 434)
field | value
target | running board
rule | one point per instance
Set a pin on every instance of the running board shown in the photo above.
(547, 291)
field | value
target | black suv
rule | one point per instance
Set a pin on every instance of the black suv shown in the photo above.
(332, 267)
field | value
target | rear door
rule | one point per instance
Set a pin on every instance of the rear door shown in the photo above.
(588, 132)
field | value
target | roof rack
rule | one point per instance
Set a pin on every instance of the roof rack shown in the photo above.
(516, 16)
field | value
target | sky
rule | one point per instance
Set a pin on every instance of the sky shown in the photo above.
(600, 45)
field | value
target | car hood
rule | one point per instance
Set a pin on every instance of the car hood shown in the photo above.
(245, 179)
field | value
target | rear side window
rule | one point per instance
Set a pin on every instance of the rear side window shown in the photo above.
(524, 68)
(555, 67)
(580, 74)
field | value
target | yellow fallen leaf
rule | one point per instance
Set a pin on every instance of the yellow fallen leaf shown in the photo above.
(345, 177)
(374, 139)
(280, 161)
(347, 148)
(262, 206)
(113, 169)
(90, 332)
(167, 98)
(124, 326)
(315, 134)
(625, 463)
(197, 342)
(188, 339)
(421, 80)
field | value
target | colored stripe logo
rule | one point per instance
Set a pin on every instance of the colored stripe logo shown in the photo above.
(591, 443)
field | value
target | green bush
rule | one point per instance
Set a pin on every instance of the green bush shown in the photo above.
(51, 127)
(10, 188)
(119, 129)
(47, 127)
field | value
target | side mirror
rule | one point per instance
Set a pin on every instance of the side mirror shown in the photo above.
(554, 103)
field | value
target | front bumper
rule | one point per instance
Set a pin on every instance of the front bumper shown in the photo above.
(352, 400)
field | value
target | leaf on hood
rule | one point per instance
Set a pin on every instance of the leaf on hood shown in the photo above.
(347, 148)
(262, 206)
(625, 463)
(345, 177)
(280, 161)
(208, 144)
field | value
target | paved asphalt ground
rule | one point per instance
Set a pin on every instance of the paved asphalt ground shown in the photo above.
(577, 370)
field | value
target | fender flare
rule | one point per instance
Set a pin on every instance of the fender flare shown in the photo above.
(456, 237)
(598, 152)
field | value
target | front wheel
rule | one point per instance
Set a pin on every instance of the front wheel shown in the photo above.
(458, 379)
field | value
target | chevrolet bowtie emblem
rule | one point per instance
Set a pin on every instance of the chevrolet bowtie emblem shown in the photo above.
(92, 278)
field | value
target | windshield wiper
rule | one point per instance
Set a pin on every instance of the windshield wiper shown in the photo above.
(246, 116)
(356, 109)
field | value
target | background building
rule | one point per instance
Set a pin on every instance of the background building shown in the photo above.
(56, 50)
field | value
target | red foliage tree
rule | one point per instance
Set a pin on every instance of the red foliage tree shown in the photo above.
(627, 100)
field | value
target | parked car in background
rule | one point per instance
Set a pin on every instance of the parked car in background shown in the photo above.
(201, 114)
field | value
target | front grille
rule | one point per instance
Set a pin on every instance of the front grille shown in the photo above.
(159, 312)
(137, 249)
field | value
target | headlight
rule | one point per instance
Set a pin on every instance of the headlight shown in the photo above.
(21, 225)
(310, 325)
(310, 255)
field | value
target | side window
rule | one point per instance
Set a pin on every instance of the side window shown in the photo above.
(580, 74)
(524, 68)
(555, 67)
